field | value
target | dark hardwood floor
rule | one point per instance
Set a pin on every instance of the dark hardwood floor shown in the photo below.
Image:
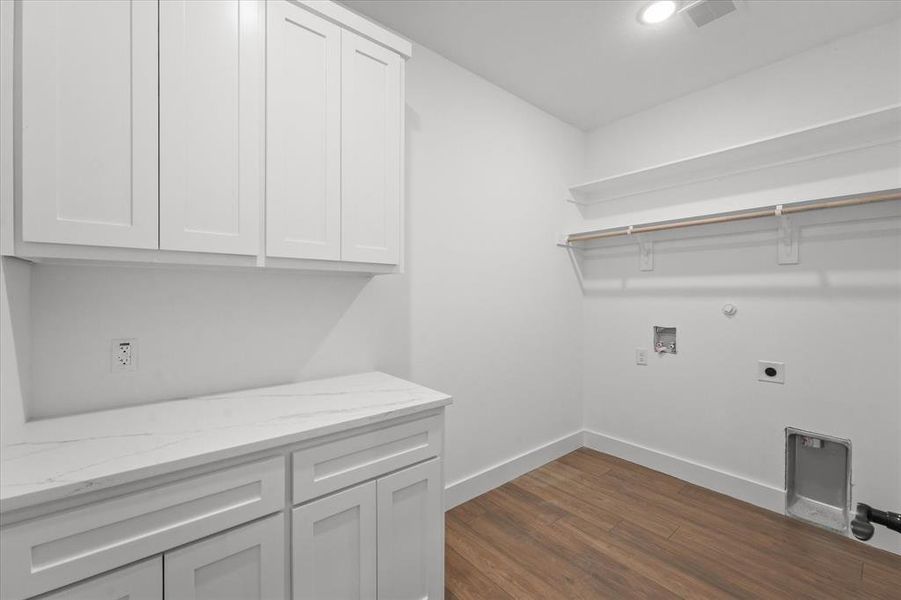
(594, 526)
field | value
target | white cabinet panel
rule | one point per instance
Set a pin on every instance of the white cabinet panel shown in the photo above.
(245, 563)
(325, 468)
(143, 581)
(211, 125)
(372, 101)
(89, 122)
(48, 552)
(334, 546)
(411, 534)
(303, 193)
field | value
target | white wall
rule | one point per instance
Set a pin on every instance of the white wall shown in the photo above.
(487, 310)
(495, 314)
(852, 75)
(15, 342)
(834, 319)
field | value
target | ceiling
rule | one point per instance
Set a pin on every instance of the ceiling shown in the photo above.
(591, 62)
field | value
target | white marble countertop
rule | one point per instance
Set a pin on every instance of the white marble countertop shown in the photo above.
(58, 458)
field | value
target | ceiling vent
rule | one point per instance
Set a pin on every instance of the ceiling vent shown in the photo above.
(703, 12)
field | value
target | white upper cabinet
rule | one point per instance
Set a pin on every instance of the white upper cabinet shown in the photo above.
(89, 122)
(371, 132)
(303, 180)
(229, 131)
(211, 125)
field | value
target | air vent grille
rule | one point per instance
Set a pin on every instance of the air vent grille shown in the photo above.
(705, 11)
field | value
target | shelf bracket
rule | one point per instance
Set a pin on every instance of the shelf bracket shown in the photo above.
(645, 252)
(563, 241)
(787, 251)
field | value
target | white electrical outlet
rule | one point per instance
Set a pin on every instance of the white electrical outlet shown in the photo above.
(123, 355)
(774, 372)
(641, 356)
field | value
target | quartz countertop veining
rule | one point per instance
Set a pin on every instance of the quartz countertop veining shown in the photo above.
(59, 458)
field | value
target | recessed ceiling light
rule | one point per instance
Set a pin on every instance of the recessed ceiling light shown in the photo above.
(657, 12)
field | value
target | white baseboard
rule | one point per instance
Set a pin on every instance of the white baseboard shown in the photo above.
(754, 492)
(468, 488)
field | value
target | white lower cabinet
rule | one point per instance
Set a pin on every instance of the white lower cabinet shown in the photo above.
(383, 539)
(142, 581)
(411, 533)
(245, 563)
(334, 546)
(361, 519)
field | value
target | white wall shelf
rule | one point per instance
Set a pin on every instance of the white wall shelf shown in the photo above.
(882, 126)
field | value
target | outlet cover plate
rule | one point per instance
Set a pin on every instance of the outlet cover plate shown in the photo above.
(123, 355)
(763, 375)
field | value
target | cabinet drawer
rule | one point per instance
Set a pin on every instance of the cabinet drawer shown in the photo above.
(52, 551)
(142, 581)
(319, 470)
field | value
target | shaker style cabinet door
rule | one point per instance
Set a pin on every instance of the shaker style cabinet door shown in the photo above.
(89, 122)
(303, 181)
(211, 125)
(334, 546)
(411, 534)
(371, 105)
(141, 581)
(245, 563)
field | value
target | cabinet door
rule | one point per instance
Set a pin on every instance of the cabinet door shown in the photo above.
(334, 546)
(89, 122)
(303, 183)
(246, 563)
(411, 533)
(142, 581)
(211, 125)
(370, 144)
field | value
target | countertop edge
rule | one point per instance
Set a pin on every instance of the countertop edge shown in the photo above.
(74, 489)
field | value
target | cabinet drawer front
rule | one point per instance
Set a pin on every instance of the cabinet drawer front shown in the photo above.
(68, 546)
(322, 469)
(142, 581)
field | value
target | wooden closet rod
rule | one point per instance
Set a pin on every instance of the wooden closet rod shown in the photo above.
(772, 211)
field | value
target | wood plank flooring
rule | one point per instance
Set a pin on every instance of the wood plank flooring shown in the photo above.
(590, 525)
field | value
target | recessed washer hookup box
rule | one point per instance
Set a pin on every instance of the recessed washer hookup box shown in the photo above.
(818, 479)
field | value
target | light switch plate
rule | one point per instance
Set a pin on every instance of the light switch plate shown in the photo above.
(772, 372)
(641, 356)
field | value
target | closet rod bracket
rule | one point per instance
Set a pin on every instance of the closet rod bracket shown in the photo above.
(645, 251)
(787, 244)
